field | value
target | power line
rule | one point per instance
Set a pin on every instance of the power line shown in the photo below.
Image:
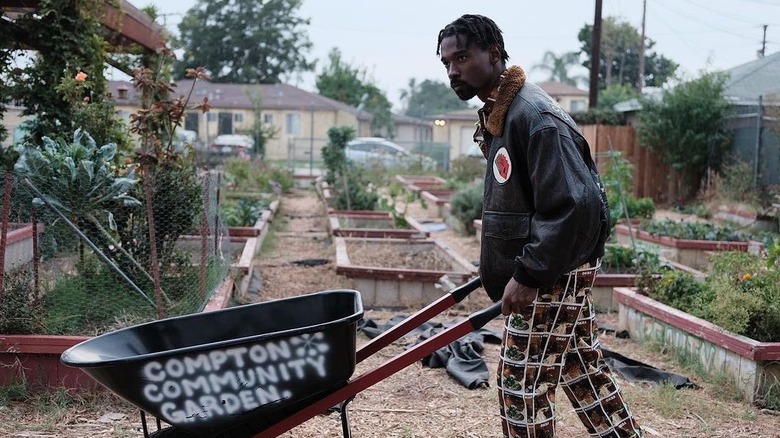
(688, 17)
(731, 16)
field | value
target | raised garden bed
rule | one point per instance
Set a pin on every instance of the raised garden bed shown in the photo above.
(754, 366)
(399, 272)
(602, 294)
(19, 245)
(35, 359)
(693, 253)
(379, 224)
(440, 198)
(419, 183)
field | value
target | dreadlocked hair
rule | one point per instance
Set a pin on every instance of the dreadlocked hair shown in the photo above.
(480, 29)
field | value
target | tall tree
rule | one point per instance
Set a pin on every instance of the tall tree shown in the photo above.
(429, 97)
(686, 128)
(619, 63)
(558, 67)
(350, 84)
(245, 41)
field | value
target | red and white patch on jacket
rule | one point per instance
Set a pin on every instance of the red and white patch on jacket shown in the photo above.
(502, 166)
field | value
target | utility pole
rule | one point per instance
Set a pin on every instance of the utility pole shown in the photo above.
(641, 79)
(762, 52)
(595, 58)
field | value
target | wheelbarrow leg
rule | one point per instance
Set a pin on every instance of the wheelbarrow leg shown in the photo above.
(345, 429)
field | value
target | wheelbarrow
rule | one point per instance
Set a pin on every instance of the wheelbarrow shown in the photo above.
(257, 370)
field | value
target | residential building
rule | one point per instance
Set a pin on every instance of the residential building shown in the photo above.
(457, 127)
(569, 97)
(301, 119)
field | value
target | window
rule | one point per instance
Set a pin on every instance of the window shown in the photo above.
(268, 118)
(238, 117)
(294, 123)
(577, 105)
(211, 117)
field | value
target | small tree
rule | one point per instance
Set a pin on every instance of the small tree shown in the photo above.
(686, 128)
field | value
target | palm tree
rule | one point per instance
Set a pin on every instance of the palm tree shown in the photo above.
(558, 67)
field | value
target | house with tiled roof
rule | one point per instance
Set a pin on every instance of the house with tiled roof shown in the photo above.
(569, 97)
(457, 127)
(301, 118)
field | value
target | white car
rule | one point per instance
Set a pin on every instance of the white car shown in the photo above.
(232, 144)
(376, 151)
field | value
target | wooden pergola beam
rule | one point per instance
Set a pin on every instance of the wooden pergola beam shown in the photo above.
(131, 26)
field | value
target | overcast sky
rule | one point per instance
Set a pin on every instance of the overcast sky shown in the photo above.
(395, 40)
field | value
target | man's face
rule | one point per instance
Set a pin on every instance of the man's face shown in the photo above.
(469, 68)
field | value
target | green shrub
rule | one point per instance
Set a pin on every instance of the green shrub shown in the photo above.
(18, 313)
(683, 291)
(467, 168)
(747, 295)
(244, 212)
(355, 190)
(638, 208)
(694, 230)
(466, 206)
(619, 259)
(740, 294)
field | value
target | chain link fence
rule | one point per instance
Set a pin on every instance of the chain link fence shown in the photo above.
(89, 260)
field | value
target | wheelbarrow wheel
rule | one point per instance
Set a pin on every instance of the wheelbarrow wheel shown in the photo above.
(171, 432)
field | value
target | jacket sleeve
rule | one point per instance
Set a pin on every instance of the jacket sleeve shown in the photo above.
(562, 226)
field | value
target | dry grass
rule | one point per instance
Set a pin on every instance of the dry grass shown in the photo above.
(417, 401)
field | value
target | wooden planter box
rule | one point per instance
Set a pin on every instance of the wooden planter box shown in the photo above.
(19, 245)
(35, 359)
(377, 224)
(440, 198)
(602, 290)
(419, 183)
(693, 253)
(754, 366)
(388, 286)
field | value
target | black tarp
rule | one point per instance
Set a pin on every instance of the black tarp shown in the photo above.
(463, 360)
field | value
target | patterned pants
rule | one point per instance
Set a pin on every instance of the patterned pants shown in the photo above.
(554, 341)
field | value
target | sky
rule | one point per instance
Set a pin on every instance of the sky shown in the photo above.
(395, 40)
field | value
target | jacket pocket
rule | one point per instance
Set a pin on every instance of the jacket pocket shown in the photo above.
(506, 225)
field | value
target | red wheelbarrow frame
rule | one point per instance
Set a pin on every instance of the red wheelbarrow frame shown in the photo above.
(475, 321)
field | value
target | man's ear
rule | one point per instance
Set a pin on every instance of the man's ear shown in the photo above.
(495, 54)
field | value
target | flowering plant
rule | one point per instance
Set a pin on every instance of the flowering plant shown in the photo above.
(93, 112)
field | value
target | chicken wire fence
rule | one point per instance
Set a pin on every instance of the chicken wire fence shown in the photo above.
(75, 266)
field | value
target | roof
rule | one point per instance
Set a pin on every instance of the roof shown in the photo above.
(465, 115)
(555, 89)
(753, 79)
(243, 96)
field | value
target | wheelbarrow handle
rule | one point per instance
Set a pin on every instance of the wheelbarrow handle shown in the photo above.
(455, 296)
(417, 352)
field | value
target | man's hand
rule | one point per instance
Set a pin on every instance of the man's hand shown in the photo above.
(516, 297)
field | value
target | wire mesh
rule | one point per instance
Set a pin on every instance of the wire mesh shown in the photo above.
(97, 266)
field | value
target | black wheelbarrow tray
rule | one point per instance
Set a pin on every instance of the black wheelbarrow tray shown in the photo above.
(256, 370)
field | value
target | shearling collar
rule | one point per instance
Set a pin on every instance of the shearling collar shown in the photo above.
(510, 85)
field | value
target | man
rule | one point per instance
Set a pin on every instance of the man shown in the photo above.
(544, 223)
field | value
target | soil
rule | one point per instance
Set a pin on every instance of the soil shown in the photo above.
(417, 401)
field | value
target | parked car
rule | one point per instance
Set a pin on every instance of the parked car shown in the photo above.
(377, 151)
(232, 145)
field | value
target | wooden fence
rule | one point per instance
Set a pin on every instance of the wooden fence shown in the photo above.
(651, 175)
